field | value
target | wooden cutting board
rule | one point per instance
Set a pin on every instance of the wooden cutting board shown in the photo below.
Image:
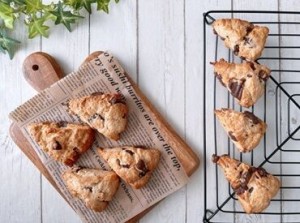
(41, 71)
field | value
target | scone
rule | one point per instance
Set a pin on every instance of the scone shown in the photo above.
(245, 39)
(246, 82)
(61, 141)
(93, 186)
(107, 113)
(244, 128)
(133, 165)
(253, 186)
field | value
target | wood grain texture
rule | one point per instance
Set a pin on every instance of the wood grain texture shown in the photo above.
(137, 33)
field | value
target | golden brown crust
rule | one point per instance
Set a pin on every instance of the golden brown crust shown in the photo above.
(95, 187)
(107, 113)
(246, 81)
(244, 128)
(133, 165)
(254, 187)
(64, 143)
(245, 39)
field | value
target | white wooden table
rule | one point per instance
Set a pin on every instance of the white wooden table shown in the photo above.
(160, 44)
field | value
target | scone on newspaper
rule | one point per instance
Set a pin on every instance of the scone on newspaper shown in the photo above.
(61, 141)
(254, 187)
(93, 186)
(107, 113)
(245, 39)
(133, 164)
(246, 82)
(244, 128)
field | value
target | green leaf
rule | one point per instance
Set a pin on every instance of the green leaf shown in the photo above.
(64, 17)
(78, 4)
(7, 44)
(103, 5)
(6, 14)
(33, 6)
(37, 27)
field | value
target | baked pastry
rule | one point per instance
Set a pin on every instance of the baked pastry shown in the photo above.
(245, 82)
(93, 186)
(61, 141)
(254, 187)
(107, 113)
(133, 165)
(244, 128)
(245, 39)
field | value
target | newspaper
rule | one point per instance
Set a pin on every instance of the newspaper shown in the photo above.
(104, 74)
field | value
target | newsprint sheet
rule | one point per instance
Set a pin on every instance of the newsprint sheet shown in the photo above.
(104, 74)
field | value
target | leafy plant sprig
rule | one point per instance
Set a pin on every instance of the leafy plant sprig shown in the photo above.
(36, 16)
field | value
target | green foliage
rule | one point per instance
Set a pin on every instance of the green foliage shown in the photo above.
(36, 16)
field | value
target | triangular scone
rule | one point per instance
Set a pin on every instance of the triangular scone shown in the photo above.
(245, 39)
(63, 142)
(244, 128)
(253, 186)
(133, 165)
(107, 113)
(93, 186)
(246, 81)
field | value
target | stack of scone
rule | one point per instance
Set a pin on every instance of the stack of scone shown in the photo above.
(254, 187)
(66, 142)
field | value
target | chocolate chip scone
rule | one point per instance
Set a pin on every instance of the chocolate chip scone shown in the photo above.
(254, 187)
(245, 39)
(246, 81)
(93, 186)
(61, 141)
(133, 165)
(244, 128)
(107, 113)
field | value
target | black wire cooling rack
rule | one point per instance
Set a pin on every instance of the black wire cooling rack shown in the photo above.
(279, 151)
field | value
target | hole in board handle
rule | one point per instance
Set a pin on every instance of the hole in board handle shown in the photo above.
(35, 67)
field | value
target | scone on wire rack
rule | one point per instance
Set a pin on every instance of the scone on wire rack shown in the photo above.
(133, 164)
(246, 81)
(244, 128)
(107, 113)
(94, 187)
(62, 141)
(245, 39)
(254, 187)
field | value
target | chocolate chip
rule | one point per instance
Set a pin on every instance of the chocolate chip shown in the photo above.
(97, 93)
(215, 158)
(248, 41)
(239, 190)
(246, 177)
(251, 65)
(230, 133)
(219, 77)
(130, 152)
(222, 38)
(214, 31)
(56, 146)
(125, 165)
(263, 75)
(141, 167)
(62, 124)
(236, 87)
(249, 75)
(250, 190)
(262, 172)
(252, 117)
(249, 28)
(89, 188)
(95, 116)
(236, 49)
(117, 99)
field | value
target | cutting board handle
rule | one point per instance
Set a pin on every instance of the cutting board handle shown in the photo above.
(41, 70)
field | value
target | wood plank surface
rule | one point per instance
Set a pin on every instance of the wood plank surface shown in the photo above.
(138, 33)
